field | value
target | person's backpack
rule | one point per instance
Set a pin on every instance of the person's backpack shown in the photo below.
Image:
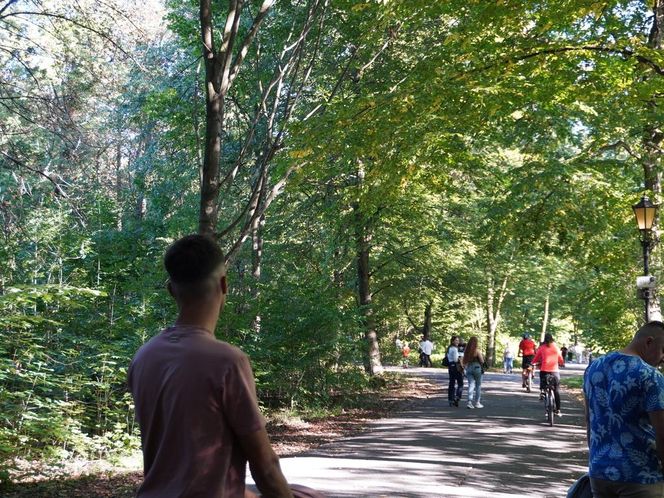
(446, 360)
(581, 488)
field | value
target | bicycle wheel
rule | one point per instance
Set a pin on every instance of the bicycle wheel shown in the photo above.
(550, 406)
(529, 382)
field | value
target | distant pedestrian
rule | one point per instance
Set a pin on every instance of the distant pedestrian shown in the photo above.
(426, 348)
(563, 353)
(405, 353)
(624, 394)
(472, 363)
(455, 371)
(508, 359)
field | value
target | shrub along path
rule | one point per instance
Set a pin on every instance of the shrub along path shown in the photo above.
(504, 450)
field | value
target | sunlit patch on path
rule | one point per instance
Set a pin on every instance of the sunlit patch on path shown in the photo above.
(504, 450)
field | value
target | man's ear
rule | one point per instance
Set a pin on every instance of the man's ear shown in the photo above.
(169, 286)
(222, 282)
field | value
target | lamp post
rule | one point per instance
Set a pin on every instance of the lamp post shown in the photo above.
(645, 212)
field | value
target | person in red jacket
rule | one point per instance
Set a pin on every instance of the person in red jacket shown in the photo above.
(527, 351)
(549, 358)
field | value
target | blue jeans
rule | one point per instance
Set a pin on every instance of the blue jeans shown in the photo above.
(456, 378)
(507, 364)
(474, 375)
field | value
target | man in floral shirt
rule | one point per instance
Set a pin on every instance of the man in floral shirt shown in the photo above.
(625, 418)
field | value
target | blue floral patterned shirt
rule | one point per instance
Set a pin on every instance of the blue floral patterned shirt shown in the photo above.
(620, 391)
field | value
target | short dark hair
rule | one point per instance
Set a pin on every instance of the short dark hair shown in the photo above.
(650, 328)
(192, 259)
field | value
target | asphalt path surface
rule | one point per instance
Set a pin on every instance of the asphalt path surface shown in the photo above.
(504, 450)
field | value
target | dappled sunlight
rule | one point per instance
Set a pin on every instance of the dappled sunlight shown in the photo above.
(505, 449)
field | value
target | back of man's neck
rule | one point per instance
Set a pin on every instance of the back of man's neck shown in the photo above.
(197, 319)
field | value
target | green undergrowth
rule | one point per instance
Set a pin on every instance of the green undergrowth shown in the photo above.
(365, 397)
(57, 477)
(572, 382)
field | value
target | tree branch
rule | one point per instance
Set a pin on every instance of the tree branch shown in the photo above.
(7, 5)
(56, 185)
(244, 46)
(70, 20)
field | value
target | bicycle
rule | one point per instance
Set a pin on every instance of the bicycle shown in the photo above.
(530, 376)
(549, 398)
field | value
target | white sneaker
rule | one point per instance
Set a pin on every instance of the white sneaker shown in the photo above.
(479, 405)
(470, 405)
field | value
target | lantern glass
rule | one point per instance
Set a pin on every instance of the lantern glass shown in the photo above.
(645, 213)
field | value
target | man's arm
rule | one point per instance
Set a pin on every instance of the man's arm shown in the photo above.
(657, 422)
(587, 412)
(264, 465)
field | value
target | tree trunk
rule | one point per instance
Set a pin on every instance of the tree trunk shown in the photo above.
(257, 256)
(492, 324)
(426, 329)
(208, 214)
(493, 306)
(545, 320)
(118, 181)
(372, 362)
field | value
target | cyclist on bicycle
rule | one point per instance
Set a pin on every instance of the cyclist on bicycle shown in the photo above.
(527, 350)
(549, 358)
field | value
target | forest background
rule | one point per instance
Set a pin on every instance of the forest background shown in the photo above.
(374, 170)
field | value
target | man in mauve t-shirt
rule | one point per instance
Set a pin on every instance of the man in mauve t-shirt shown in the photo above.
(195, 396)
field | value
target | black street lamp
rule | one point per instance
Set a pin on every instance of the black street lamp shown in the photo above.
(645, 212)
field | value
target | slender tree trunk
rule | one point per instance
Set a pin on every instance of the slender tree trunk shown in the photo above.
(545, 320)
(491, 321)
(257, 256)
(372, 362)
(426, 329)
(493, 307)
(118, 181)
(208, 214)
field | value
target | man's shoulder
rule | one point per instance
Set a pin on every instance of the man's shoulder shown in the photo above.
(617, 364)
(192, 342)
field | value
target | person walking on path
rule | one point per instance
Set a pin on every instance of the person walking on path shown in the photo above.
(549, 358)
(472, 363)
(405, 353)
(426, 348)
(455, 370)
(508, 359)
(195, 396)
(624, 395)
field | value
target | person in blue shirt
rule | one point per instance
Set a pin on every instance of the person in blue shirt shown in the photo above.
(625, 418)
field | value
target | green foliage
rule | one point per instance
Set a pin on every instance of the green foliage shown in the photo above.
(469, 143)
(574, 381)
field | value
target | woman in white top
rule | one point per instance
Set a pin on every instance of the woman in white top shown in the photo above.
(456, 373)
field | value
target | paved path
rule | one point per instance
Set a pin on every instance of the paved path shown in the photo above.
(505, 450)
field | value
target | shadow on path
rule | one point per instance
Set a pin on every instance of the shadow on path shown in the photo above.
(504, 450)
